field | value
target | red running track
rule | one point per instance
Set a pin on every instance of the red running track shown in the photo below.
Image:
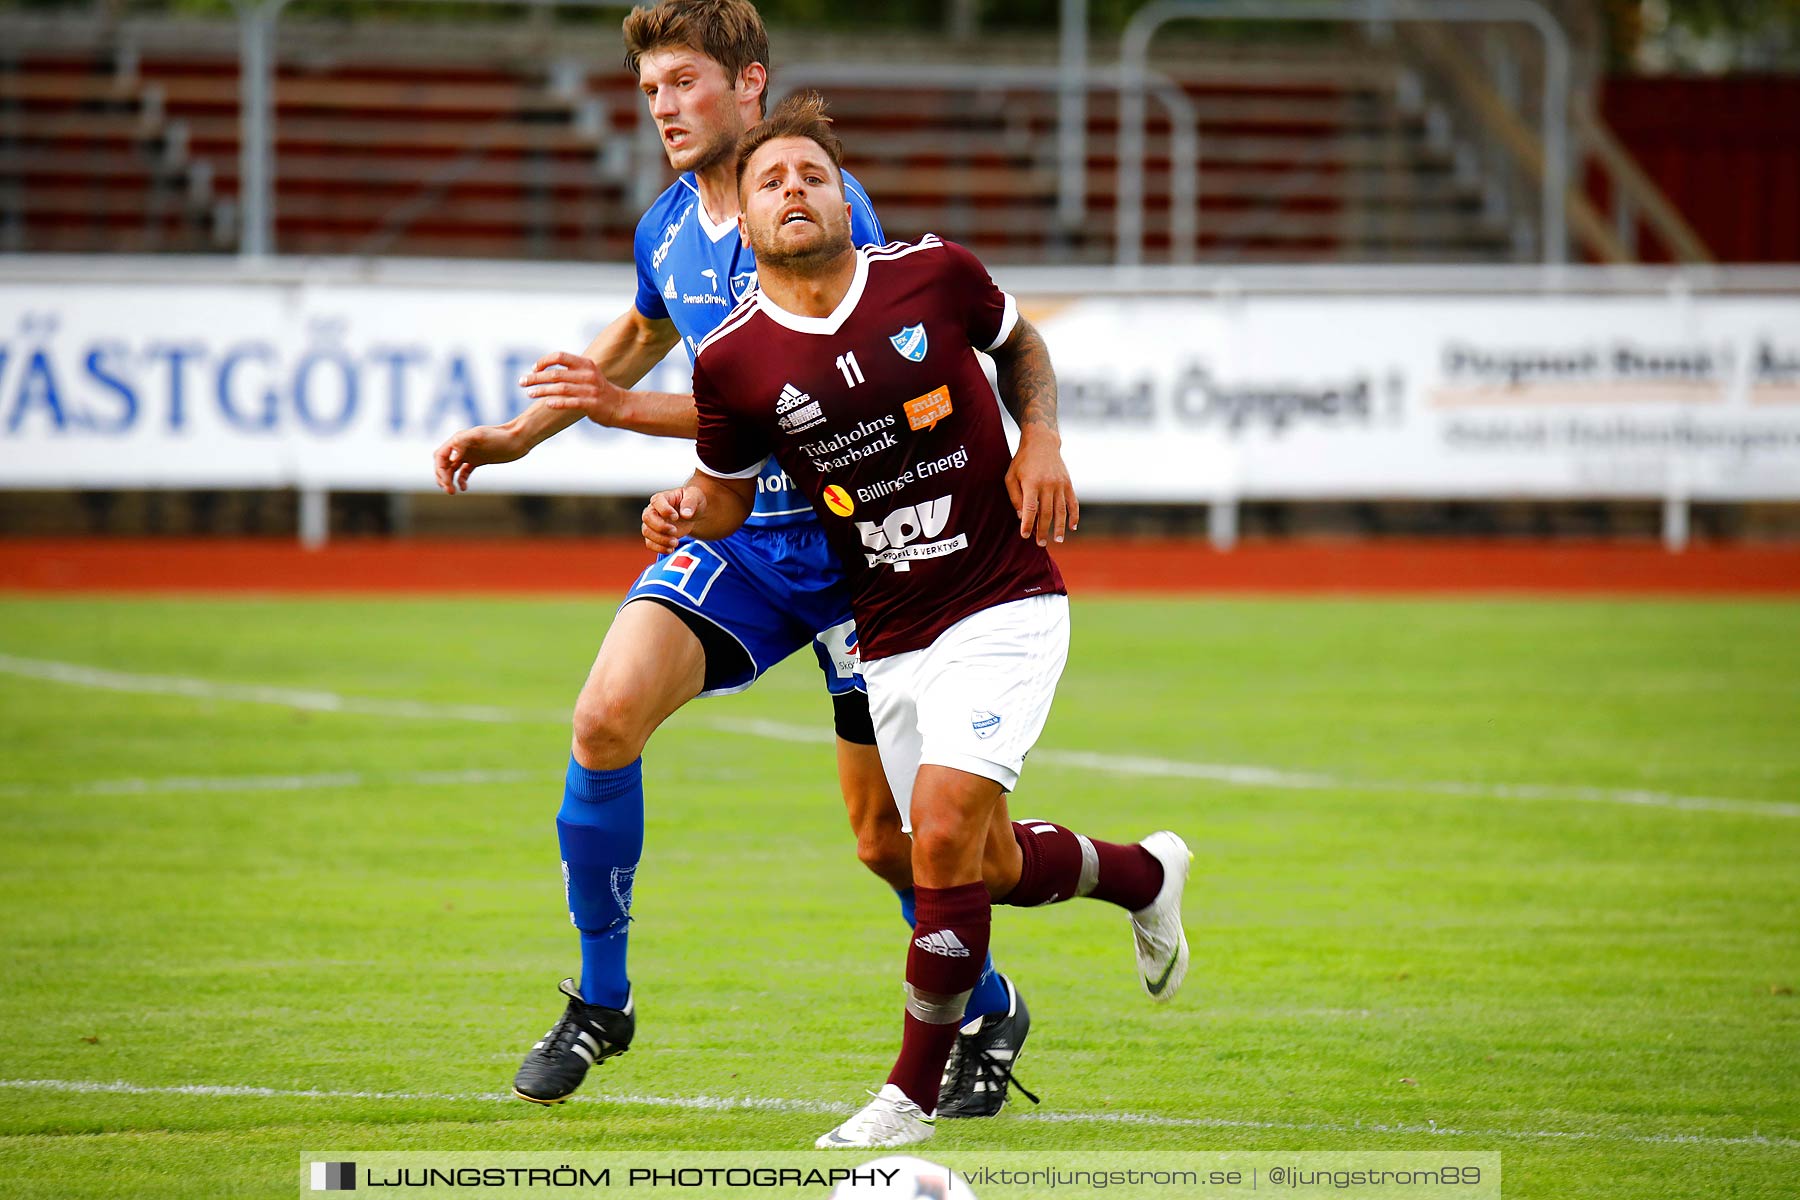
(537, 567)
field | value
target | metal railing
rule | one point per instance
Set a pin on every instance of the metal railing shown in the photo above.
(1134, 52)
(1072, 84)
(258, 21)
(1184, 139)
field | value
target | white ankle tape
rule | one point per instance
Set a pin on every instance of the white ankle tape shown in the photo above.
(935, 1008)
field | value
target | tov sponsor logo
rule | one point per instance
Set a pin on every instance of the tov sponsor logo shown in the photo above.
(909, 534)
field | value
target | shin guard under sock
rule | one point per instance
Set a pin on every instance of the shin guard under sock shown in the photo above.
(989, 994)
(1060, 864)
(601, 829)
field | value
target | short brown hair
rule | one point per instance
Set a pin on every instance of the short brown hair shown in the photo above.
(730, 32)
(801, 115)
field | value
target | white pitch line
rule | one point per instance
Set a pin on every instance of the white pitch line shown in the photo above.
(776, 1104)
(1237, 775)
(306, 700)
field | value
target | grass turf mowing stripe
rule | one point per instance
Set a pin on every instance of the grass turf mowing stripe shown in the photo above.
(778, 1104)
(1245, 775)
(271, 783)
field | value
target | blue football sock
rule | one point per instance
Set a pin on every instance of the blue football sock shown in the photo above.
(601, 829)
(990, 991)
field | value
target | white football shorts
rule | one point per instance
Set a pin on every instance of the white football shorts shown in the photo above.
(975, 700)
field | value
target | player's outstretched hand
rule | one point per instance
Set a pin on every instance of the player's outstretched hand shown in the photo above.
(1042, 493)
(572, 383)
(462, 452)
(670, 516)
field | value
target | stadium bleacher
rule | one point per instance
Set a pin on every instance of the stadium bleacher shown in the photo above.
(1318, 156)
(1317, 153)
(91, 161)
(400, 160)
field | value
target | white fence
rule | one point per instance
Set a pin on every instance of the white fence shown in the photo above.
(1197, 386)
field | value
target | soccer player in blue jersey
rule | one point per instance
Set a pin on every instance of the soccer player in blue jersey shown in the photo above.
(710, 617)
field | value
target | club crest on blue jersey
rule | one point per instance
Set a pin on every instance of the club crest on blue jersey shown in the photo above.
(742, 284)
(910, 342)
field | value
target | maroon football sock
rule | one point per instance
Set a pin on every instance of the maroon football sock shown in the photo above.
(1053, 870)
(943, 964)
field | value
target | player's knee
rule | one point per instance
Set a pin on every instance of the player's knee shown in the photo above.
(938, 849)
(887, 852)
(608, 733)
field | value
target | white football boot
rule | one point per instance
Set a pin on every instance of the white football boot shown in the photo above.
(1162, 945)
(890, 1119)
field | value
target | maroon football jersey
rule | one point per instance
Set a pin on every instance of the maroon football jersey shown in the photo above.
(881, 414)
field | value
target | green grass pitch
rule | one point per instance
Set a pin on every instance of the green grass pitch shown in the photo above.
(1594, 975)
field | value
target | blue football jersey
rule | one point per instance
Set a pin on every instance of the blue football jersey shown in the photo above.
(693, 272)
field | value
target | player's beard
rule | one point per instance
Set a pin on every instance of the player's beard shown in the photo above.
(832, 241)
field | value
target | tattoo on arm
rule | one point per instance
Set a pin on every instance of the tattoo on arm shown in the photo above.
(1027, 381)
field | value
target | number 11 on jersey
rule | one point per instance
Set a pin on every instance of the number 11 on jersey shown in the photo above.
(851, 368)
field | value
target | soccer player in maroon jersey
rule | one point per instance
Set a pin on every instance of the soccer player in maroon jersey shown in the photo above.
(857, 371)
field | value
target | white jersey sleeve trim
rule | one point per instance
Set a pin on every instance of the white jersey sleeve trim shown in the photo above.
(746, 473)
(1008, 319)
(733, 320)
(901, 249)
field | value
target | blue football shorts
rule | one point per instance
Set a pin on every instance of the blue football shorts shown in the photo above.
(772, 591)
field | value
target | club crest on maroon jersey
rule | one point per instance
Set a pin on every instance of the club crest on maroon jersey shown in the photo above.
(910, 342)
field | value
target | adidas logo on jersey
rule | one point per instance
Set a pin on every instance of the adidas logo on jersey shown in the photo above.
(669, 292)
(942, 942)
(796, 412)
